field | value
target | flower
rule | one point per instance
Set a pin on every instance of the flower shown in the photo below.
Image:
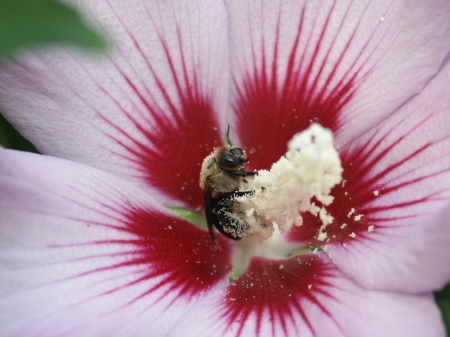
(88, 245)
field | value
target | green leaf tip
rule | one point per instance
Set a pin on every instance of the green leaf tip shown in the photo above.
(30, 23)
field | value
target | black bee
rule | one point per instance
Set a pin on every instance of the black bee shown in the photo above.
(220, 178)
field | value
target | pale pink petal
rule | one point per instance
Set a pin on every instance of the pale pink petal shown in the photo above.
(390, 228)
(307, 296)
(150, 110)
(84, 253)
(344, 64)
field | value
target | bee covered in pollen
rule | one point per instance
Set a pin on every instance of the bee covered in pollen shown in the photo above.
(222, 177)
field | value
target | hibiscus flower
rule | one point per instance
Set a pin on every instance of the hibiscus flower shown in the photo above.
(89, 244)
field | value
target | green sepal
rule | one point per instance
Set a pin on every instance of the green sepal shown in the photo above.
(196, 218)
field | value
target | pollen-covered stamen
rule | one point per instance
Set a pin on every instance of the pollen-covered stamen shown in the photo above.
(310, 169)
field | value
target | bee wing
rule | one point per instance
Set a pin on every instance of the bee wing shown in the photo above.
(209, 205)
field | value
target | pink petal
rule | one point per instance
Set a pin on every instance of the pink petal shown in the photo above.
(307, 296)
(390, 228)
(87, 254)
(345, 64)
(149, 111)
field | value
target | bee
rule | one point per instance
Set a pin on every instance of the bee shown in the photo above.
(221, 177)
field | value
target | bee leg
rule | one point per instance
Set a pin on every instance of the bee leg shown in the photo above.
(227, 195)
(224, 220)
(243, 173)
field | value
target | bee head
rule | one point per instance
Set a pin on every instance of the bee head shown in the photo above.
(230, 157)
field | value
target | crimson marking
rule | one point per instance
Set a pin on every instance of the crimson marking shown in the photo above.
(182, 256)
(274, 291)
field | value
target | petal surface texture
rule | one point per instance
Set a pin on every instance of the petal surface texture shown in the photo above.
(147, 111)
(390, 229)
(344, 64)
(307, 296)
(84, 253)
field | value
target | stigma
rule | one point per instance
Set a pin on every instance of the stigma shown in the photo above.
(307, 173)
